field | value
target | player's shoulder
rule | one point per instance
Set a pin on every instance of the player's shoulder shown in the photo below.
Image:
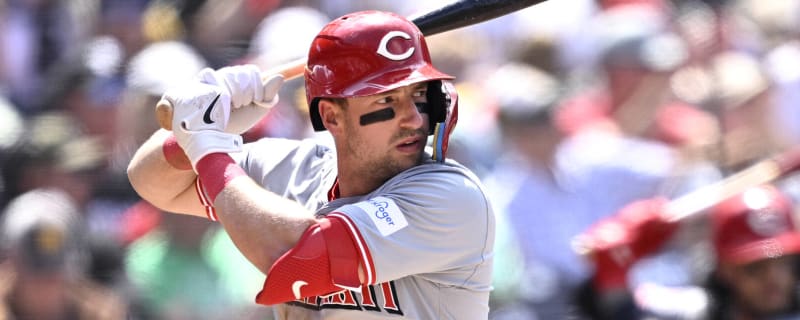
(277, 148)
(448, 182)
(277, 162)
(269, 144)
(447, 172)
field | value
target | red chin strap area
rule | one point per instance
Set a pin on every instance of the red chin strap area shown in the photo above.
(325, 260)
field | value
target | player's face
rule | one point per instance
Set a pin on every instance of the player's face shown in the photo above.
(387, 133)
(763, 287)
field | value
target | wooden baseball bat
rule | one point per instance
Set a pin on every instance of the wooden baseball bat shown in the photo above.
(445, 18)
(762, 172)
(702, 199)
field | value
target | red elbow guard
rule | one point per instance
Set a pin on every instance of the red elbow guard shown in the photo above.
(325, 260)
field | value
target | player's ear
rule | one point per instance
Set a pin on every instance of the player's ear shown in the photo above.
(330, 113)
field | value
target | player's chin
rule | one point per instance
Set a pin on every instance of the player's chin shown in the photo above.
(406, 161)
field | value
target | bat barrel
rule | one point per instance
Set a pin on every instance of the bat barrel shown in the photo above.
(464, 13)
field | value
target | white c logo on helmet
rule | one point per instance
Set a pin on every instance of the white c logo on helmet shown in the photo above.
(384, 50)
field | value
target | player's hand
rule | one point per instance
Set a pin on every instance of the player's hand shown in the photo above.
(618, 242)
(250, 97)
(201, 113)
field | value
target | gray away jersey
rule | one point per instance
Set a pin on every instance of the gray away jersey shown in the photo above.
(428, 234)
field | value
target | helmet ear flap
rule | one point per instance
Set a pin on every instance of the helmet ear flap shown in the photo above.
(446, 111)
(313, 113)
(437, 104)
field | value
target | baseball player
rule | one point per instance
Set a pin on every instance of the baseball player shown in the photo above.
(755, 244)
(381, 227)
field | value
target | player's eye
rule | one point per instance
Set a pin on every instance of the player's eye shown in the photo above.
(385, 100)
(420, 96)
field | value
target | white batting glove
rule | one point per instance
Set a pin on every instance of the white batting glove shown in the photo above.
(200, 116)
(250, 98)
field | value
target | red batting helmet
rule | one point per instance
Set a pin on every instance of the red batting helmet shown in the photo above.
(371, 52)
(755, 225)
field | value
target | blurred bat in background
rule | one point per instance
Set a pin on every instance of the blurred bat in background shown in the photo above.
(699, 201)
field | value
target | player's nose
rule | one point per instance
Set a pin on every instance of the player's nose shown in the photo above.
(410, 116)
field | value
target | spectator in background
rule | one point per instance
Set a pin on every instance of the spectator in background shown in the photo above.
(175, 269)
(35, 35)
(628, 117)
(122, 22)
(221, 29)
(742, 71)
(82, 105)
(629, 134)
(637, 54)
(54, 153)
(549, 188)
(784, 69)
(11, 130)
(528, 198)
(746, 110)
(272, 46)
(43, 273)
(779, 22)
(755, 243)
(88, 88)
(629, 91)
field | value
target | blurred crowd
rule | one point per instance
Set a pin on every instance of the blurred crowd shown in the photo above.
(570, 111)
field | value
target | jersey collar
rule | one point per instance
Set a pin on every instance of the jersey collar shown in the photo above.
(333, 192)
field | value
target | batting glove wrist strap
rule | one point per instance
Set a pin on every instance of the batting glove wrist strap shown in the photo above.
(198, 144)
(214, 172)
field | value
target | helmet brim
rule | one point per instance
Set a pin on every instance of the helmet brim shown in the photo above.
(778, 246)
(393, 79)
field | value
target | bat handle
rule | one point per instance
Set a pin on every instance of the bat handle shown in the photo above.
(289, 71)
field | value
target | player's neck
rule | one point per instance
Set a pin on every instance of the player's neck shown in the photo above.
(354, 185)
(355, 181)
